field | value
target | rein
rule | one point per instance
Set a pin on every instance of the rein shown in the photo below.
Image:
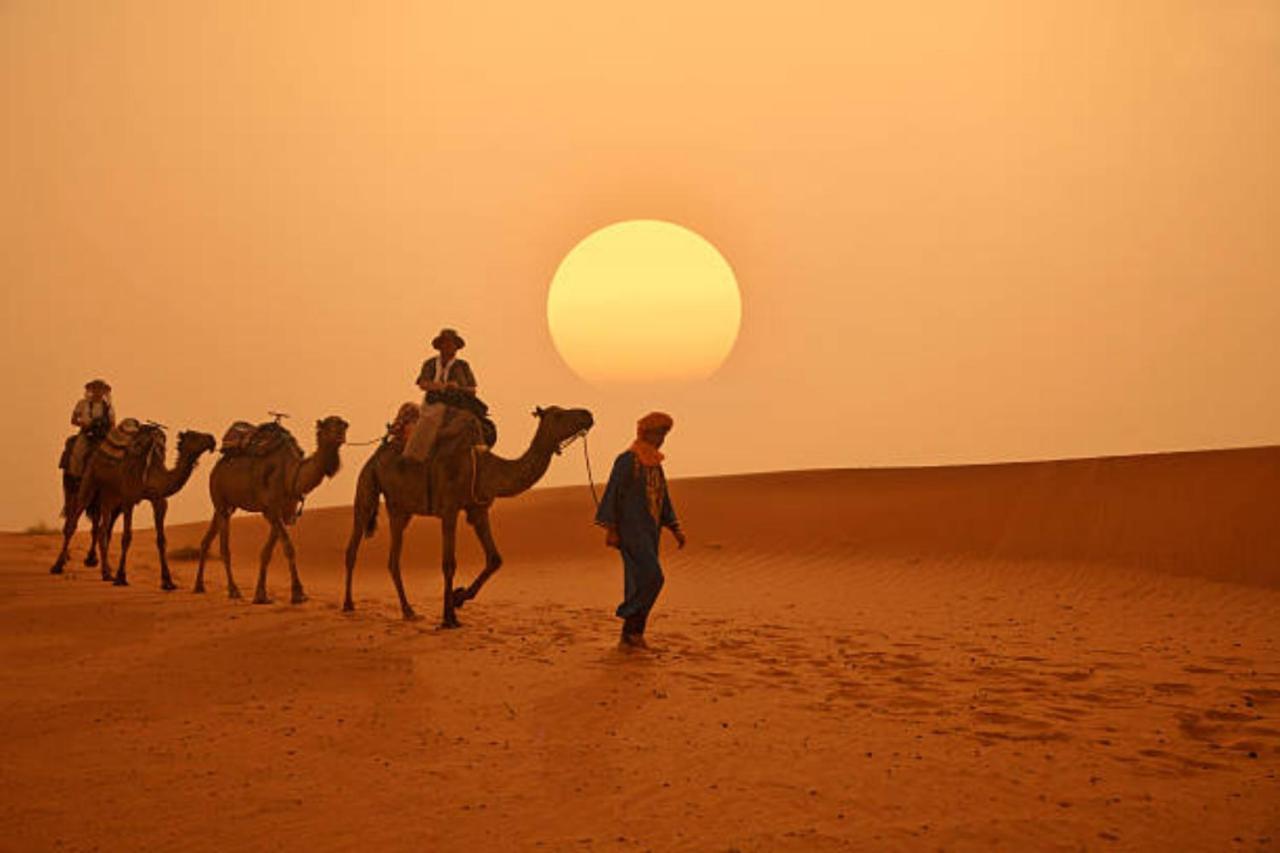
(586, 456)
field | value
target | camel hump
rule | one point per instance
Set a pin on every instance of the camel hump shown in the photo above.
(131, 438)
(400, 428)
(463, 430)
(244, 439)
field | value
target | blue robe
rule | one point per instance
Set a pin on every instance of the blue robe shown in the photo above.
(626, 505)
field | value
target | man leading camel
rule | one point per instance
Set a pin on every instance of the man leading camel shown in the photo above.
(439, 373)
(634, 509)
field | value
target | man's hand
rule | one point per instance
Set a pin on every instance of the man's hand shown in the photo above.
(611, 538)
(679, 534)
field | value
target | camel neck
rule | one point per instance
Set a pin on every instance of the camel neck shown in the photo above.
(506, 478)
(173, 481)
(315, 468)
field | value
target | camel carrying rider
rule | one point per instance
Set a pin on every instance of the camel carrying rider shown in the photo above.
(439, 374)
(634, 509)
(95, 416)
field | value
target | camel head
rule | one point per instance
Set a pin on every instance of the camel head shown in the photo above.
(193, 444)
(557, 426)
(331, 432)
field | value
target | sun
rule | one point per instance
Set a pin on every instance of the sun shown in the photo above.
(644, 301)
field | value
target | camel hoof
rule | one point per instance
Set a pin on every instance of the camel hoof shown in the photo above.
(107, 578)
(347, 606)
(168, 586)
(450, 624)
(298, 597)
(234, 592)
(262, 598)
(91, 560)
(198, 589)
(409, 615)
(120, 581)
(56, 569)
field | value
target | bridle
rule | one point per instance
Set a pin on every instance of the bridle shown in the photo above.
(586, 456)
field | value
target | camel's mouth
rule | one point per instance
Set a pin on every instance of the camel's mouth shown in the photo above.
(582, 433)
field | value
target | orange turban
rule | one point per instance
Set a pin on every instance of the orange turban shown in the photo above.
(660, 421)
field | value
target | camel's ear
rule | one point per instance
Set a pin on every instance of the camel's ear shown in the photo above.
(319, 424)
(539, 412)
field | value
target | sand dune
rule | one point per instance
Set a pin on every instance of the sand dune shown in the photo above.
(1056, 655)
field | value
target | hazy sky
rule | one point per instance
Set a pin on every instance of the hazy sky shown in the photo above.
(963, 231)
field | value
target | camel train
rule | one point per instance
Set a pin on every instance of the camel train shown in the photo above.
(262, 468)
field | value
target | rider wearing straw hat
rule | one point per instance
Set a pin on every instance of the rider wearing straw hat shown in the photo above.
(95, 416)
(439, 373)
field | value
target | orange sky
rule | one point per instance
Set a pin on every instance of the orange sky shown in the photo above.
(963, 232)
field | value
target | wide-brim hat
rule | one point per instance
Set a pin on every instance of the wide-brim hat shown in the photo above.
(448, 334)
(96, 384)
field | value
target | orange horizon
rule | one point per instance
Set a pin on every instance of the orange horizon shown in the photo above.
(992, 233)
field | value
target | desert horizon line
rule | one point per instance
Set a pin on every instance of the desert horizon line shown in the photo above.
(777, 472)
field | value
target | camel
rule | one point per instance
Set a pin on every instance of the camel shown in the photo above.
(113, 487)
(70, 491)
(273, 484)
(459, 487)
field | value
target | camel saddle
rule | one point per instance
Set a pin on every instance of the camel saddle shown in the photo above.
(469, 403)
(400, 428)
(133, 439)
(455, 456)
(244, 439)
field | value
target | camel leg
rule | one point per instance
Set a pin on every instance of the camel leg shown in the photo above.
(260, 593)
(126, 539)
(69, 525)
(353, 549)
(159, 509)
(224, 548)
(91, 558)
(398, 522)
(204, 551)
(106, 526)
(449, 565)
(492, 559)
(296, 594)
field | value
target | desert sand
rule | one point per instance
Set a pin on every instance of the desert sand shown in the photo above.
(1059, 655)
